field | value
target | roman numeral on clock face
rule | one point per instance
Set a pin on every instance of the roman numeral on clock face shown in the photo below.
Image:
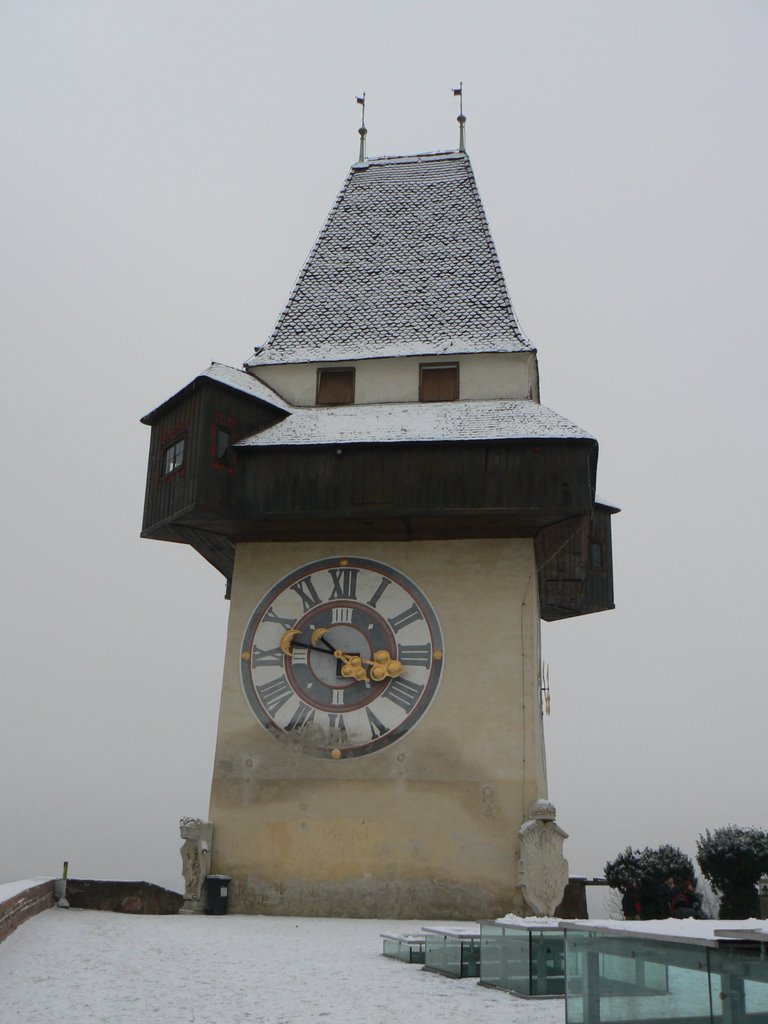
(301, 718)
(379, 591)
(341, 615)
(377, 727)
(415, 654)
(404, 693)
(337, 728)
(306, 591)
(397, 622)
(272, 616)
(344, 584)
(274, 694)
(273, 657)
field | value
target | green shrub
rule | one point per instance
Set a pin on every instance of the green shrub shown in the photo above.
(733, 858)
(648, 868)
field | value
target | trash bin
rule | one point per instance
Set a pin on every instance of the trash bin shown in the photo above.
(217, 890)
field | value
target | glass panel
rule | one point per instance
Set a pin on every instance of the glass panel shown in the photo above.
(409, 950)
(470, 958)
(516, 960)
(458, 958)
(622, 978)
(490, 953)
(439, 957)
(739, 983)
(547, 963)
(530, 962)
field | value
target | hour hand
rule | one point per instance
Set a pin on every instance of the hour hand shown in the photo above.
(353, 663)
(288, 641)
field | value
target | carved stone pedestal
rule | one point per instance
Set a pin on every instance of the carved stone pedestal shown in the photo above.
(195, 862)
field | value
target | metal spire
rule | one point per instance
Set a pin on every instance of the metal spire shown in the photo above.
(362, 131)
(461, 119)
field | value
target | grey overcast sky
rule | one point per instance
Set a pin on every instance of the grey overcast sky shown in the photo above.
(166, 166)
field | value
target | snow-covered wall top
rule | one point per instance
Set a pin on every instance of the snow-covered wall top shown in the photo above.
(405, 265)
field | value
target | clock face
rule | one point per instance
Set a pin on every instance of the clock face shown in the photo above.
(342, 657)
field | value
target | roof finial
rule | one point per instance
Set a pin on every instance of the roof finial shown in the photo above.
(362, 131)
(461, 119)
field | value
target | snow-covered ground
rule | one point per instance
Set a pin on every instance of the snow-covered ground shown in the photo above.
(81, 966)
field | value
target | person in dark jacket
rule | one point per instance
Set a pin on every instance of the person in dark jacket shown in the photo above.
(631, 905)
(686, 901)
(666, 893)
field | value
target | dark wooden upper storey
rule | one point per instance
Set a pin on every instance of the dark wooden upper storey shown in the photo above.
(220, 488)
(404, 267)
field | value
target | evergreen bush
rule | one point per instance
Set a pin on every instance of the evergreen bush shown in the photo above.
(649, 868)
(733, 858)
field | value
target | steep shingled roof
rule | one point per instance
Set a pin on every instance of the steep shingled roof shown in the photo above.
(405, 265)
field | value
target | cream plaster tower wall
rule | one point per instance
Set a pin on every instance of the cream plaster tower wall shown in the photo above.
(428, 825)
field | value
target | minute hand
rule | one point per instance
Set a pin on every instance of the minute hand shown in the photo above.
(353, 663)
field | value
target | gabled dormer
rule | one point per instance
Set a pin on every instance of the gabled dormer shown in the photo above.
(193, 457)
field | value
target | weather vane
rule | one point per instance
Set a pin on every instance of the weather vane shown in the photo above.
(461, 119)
(362, 130)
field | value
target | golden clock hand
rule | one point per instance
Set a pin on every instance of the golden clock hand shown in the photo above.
(318, 635)
(353, 664)
(383, 666)
(287, 639)
(288, 642)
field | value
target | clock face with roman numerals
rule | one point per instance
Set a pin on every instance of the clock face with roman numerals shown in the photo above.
(342, 657)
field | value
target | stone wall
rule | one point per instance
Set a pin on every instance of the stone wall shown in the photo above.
(574, 902)
(16, 909)
(122, 897)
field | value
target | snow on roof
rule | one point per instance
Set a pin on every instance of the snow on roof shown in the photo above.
(405, 265)
(482, 420)
(231, 377)
(245, 382)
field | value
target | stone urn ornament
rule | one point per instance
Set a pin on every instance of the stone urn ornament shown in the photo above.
(195, 861)
(542, 870)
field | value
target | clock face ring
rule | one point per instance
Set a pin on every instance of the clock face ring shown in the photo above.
(341, 657)
(353, 629)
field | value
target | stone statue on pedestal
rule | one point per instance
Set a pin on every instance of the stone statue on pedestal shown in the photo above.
(195, 861)
(542, 870)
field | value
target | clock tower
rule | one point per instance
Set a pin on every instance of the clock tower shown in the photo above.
(394, 511)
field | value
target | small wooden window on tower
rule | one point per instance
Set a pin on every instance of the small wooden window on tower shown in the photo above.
(438, 382)
(223, 443)
(173, 456)
(336, 386)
